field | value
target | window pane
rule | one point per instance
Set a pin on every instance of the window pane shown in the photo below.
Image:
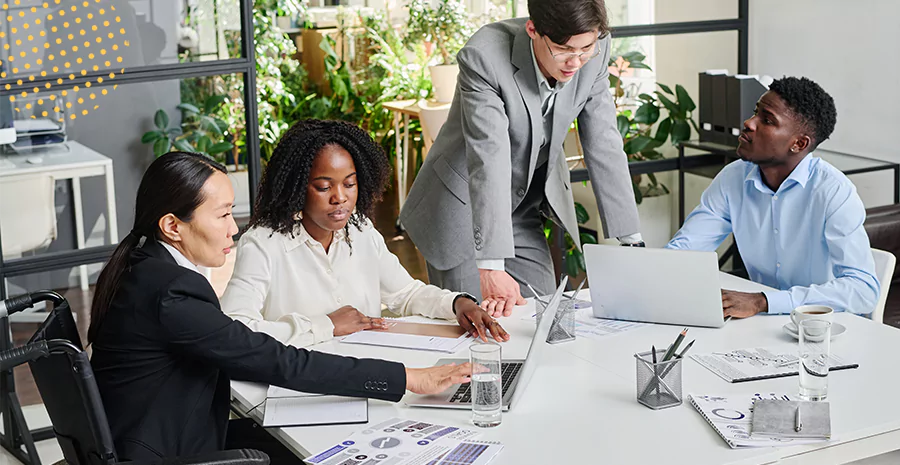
(114, 34)
(104, 126)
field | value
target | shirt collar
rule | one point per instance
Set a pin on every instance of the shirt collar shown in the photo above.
(801, 174)
(543, 83)
(301, 236)
(180, 259)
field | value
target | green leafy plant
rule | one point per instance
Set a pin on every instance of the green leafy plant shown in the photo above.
(637, 117)
(447, 26)
(573, 257)
(199, 131)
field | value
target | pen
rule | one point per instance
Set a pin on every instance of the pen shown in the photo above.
(655, 368)
(674, 346)
(653, 353)
(686, 348)
(798, 425)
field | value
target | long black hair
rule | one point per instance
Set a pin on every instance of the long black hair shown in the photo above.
(172, 184)
(282, 191)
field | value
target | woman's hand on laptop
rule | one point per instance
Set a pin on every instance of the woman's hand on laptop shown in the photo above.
(437, 379)
(743, 304)
(477, 322)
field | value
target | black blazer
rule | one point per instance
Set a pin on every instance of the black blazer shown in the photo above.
(165, 353)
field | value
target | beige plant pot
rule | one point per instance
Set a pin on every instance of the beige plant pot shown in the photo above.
(443, 82)
(240, 181)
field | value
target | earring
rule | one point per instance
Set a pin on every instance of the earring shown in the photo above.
(298, 216)
(794, 149)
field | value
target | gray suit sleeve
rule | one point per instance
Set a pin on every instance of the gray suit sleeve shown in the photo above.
(486, 131)
(605, 158)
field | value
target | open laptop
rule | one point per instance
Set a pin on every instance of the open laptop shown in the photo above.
(666, 286)
(515, 373)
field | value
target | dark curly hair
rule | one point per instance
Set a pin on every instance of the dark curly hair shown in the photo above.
(810, 103)
(282, 191)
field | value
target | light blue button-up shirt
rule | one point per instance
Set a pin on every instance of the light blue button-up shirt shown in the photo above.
(806, 239)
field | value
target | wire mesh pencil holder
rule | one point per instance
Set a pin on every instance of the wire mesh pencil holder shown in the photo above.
(563, 327)
(658, 384)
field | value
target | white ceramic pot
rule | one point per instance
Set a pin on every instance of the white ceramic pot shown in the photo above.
(443, 82)
(655, 214)
(240, 181)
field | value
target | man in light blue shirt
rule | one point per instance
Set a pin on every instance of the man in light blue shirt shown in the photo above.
(797, 220)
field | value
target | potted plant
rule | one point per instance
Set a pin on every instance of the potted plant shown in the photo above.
(446, 28)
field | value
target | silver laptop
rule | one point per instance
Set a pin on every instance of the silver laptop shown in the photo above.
(676, 287)
(515, 373)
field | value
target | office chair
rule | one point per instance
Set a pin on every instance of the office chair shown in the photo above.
(65, 380)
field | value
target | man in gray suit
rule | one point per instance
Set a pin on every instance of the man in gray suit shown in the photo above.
(497, 166)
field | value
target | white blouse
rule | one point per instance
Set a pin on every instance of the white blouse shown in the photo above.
(286, 287)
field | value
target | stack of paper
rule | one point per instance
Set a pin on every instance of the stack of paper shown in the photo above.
(760, 363)
(732, 417)
(285, 407)
(419, 336)
(406, 442)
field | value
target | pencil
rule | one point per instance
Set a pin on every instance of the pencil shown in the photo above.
(674, 346)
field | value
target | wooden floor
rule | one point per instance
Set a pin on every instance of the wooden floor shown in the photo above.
(80, 301)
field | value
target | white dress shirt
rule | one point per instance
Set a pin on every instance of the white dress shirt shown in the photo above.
(286, 287)
(180, 259)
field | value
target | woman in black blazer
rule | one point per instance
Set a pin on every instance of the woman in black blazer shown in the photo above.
(163, 351)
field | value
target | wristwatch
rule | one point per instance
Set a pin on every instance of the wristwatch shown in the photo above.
(634, 244)
(464, 295)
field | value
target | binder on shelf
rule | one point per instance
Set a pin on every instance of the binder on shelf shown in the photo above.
(743, 92)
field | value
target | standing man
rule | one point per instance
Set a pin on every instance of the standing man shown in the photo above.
(497, 167)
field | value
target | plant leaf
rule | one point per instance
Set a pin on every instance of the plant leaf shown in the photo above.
(671, 106)
(687, 104)
(187, 107)
(581, 214)
(647, 98)
(150, 137)
(624, 124)
(633, 56)
(637, 144)
(662, 131)
(613, 80)
(648, 113)
(203, 143)
(212, 102)
(161, 146)
(681, 131)
(184, 146)
(572, 264)
(219, 147)
(587, 238)
(209, 124)
(639, 65)
(665, 88)
(161, 119)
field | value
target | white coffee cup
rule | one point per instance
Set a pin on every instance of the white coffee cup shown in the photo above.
(807, 312)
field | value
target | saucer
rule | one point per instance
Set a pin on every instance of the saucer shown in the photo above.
(837, 329)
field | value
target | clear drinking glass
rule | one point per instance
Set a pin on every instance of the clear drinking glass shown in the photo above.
(487, 382)
(815, 350)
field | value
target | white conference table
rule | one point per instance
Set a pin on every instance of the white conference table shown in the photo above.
(580, 406)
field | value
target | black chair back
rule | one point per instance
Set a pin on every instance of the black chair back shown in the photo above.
(66, 383)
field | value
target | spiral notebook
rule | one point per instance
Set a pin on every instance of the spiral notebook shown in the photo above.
(731, 417)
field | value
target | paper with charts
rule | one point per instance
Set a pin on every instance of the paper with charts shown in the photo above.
(409, 442)
(759, 363)
(732, 416)
(586, 325)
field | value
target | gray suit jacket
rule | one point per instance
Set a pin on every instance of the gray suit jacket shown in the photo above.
(483, 160)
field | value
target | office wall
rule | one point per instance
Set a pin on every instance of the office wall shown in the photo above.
(851, 49)
(678, 60)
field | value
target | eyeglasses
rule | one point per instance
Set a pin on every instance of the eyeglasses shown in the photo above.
(566, 56)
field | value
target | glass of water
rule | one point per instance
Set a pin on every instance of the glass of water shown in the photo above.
(487, 394)
(815, 349)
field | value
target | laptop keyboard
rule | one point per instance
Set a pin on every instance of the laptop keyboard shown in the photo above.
(508, 373)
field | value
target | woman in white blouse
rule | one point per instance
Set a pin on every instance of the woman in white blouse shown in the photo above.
(312, 266)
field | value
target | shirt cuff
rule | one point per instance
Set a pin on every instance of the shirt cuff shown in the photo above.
(491, 264)
(631, 238)
(322, 328)
(779, 302)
